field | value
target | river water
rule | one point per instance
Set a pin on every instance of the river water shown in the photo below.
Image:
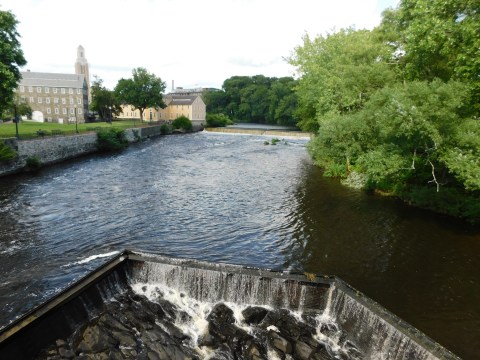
(230, 198)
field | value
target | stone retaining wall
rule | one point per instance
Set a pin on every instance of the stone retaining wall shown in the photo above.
(54, 149)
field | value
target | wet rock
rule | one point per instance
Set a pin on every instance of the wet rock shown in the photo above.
(302, 351)
(288, 325)
(279, 342)
(221, 313)
(254, 314)
(96, 339)
(66, 353)
(60, 343)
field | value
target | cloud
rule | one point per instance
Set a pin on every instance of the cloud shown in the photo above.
(192, 42)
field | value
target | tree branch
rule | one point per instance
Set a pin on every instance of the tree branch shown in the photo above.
(434, 180)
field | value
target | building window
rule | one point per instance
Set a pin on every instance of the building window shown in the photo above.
(64, 101)
(70, 91)
(79, 101)
(79, 111)
(49, 111)
(71, 101)
(64, 111)
(56, 111)
(30, 89)
(55, 100)
(22, 88)
(54, 90)
(39, 100)
(47, 90)
(79, 91)
(63, 90)
(31, 99)
(72, 111)
(49, 119)
(39, 89)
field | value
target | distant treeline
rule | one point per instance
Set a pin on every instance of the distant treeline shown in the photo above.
(257, 99)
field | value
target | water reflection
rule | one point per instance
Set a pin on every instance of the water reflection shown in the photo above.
(424, 268)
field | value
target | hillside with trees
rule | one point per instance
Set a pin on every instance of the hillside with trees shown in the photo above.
(396, 109)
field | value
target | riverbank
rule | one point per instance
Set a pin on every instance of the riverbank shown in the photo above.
(55, 149)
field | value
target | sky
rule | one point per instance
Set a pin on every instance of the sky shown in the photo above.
(195, 43)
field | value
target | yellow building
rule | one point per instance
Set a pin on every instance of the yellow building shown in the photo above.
(191, 106)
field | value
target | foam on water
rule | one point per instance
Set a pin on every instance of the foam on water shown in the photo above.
(341, 321)
(94, 257)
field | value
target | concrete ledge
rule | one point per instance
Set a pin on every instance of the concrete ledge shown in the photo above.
(281, 133)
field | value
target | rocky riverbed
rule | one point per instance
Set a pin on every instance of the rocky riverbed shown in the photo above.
(133, 326)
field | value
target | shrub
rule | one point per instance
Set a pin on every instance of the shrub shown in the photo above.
(6, 153)
(165, 129)
(182, 122)
(33, 163)
(111, 139)
(218, 120)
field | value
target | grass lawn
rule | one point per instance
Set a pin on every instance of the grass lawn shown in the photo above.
(28, 129)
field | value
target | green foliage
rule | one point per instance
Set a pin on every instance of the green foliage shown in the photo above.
(33, 163)
(6, 153)
(437, 39)
(257, 99)
(399, 105)
(218, 120)
(11, 57)
(144, 90)
(104, 101)
(182, 122)
(275, 141)
(165, 129)
(111, 139)
(452, 201)
(339, 74)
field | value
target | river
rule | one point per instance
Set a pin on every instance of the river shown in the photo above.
(230, 198)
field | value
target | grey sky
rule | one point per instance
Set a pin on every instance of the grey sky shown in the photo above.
(195, 43)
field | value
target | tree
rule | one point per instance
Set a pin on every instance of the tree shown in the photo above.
(11, 57)
(104, 101)
(437, 39)
(144, 90)
(339, 73)
(257, 99)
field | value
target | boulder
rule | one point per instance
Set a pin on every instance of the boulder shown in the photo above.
(254, 314)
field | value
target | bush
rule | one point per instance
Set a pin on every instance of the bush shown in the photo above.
(218, 120)
(6, 153)
(165, 129)
(111, 139)
(33, 163)
(182, 122)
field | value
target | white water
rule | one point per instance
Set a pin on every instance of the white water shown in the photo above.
(196, 290)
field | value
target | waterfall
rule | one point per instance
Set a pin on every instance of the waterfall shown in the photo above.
(350, 319)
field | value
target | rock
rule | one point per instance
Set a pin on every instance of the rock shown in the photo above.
(221, 313)
(289, 326)
(279, 342)
(95, 340)
(323, 352)
(61, 343)
(254, 314)
(302, 351)
(66, 353)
